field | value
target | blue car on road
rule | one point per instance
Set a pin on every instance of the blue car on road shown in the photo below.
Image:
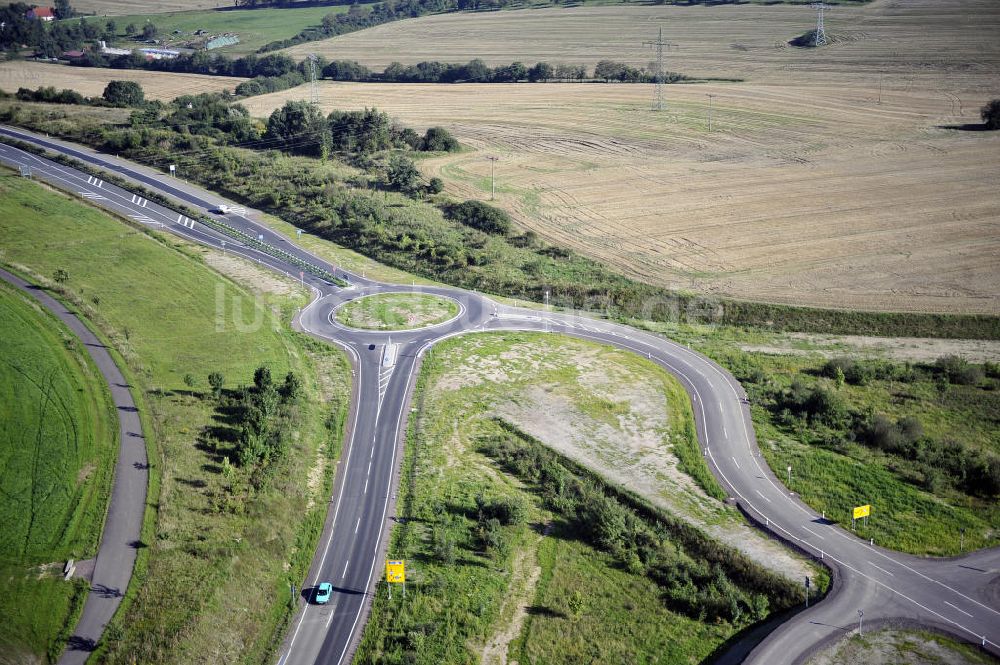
(322, 595)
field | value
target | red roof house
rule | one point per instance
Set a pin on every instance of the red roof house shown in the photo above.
(41, 14)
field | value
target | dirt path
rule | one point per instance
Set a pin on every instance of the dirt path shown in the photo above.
(524, 579)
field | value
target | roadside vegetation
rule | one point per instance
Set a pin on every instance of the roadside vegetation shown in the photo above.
(562, 562)
(917, 440)
(364, 192)
(397, 311)
(241, 462)
(58, 445)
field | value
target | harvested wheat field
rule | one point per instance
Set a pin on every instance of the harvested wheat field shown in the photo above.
(124, 7)
(817, 185)
(91, 81)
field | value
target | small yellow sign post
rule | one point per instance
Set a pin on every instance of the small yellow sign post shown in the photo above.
(395, 573)
(860, 511)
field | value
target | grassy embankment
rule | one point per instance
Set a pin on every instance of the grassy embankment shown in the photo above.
(218, 543)
(913, 647)
(483, 543)
(58, 442)
(917, 440)
(397, 311)
(345, 205)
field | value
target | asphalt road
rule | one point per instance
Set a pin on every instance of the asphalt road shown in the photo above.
(120, 539)
(959, 596)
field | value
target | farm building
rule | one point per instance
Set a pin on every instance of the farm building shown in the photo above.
(159, 53)
(41, 14)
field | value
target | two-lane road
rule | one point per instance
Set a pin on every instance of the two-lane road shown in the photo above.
(960, 596)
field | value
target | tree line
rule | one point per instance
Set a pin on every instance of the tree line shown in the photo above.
(477, 71)
(116, 93)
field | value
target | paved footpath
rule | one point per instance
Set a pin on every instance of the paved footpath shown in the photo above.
(123, 525)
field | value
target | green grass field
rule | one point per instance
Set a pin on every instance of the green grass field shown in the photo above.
(58, 441)
(256, 27)
(214, 552)
(620, 616)
(397, 311)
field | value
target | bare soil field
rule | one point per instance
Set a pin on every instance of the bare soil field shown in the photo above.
(91, 81)
(831, 176)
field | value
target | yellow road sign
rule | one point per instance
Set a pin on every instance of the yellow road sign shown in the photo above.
(862, 511)
(395, 572)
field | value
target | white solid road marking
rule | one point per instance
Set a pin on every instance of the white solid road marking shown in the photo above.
(762, 496)
(813, 532)
(958, 608)
(736, 463)
(344, 574)
(882, 569)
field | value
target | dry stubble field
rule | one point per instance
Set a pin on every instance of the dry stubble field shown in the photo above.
(124, 7)
(814, 187)
(91, 81)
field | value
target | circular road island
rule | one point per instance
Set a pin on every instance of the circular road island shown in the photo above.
(396, 311)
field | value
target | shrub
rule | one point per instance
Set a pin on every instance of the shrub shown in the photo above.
(439, 139)
(481, 216)
(959, 371)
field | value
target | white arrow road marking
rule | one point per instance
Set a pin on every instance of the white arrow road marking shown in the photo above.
(762, 496)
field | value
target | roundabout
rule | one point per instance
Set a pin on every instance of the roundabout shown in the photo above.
(390, 311)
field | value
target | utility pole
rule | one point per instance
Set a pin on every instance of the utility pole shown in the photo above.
(710, 97)
(493, 177)
(313, 89)
(820, 36)
(546, 310)
(659, 45)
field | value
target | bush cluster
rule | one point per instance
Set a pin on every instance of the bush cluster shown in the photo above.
(260, 418)
(831, 419)
(701, 578)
